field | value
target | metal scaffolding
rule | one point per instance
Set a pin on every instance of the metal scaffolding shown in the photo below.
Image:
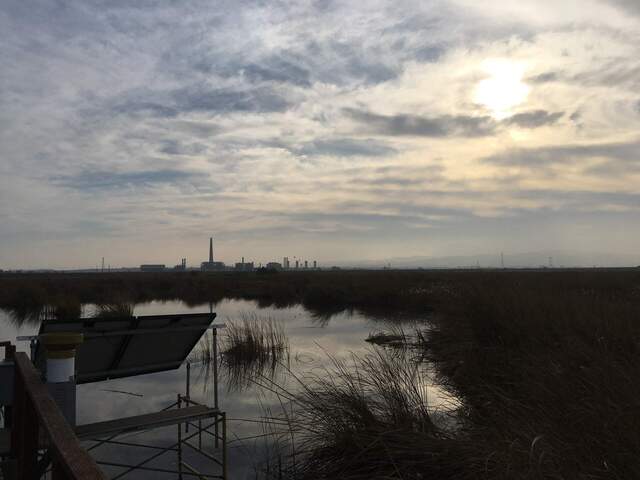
(199, 420)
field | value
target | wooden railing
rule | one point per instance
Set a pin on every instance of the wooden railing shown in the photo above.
(37, 424)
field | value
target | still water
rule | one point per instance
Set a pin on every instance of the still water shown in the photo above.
(313, 342)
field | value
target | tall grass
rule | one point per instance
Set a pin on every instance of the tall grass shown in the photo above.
(546, 365)
(546, 372)
(121, 309)
(252, 347)
(254, 338)
(365, 418)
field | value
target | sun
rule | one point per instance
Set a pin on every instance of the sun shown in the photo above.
(503, 89)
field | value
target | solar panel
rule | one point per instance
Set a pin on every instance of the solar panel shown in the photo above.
(125, 347)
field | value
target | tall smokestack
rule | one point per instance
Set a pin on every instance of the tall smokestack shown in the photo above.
(210, 249)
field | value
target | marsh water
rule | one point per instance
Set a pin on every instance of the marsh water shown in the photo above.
(313, 343)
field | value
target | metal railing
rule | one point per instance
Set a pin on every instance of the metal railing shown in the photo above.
(38, 424)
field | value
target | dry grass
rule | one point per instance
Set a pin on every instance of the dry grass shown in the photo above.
(546, 363)
(366, 418)
(114, 310)
(252, 347)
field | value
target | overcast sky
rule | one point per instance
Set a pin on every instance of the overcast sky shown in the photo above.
(325, 130)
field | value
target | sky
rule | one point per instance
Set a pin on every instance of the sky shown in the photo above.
(328, 130)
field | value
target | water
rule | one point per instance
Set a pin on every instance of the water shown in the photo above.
(312, 343)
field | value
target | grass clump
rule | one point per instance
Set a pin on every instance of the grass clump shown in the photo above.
(367, 418)
(253, 347)
(119, 309)
(254, 339)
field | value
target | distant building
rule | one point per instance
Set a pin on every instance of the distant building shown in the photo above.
(274, 266)
(244, 266)
(306, 264)
(182, 266)
(297, 264)
(285, 263)
(152, 267)
(315, 264)
(211, 266)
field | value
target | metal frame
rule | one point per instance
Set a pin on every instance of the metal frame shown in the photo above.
(36, 461)
(184, 438)
(184, 469)
(36, 412)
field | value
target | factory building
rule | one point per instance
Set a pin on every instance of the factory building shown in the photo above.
(211, 265)
(244, 266)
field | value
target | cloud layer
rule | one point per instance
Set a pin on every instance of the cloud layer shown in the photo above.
(134, 130)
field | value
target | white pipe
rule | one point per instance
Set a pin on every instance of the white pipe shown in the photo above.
(60, 370)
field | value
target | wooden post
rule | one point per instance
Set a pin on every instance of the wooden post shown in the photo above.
(24, 431)
(9, 353)
(36, 410)
(57, 472)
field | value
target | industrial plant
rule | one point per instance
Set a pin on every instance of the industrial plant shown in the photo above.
(212, 265)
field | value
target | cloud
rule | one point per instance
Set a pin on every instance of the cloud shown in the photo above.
(346, 147)
(174, 147)
(235, 119)
(546, 77)
(423, 126)
(631, 6)
(582, 199)
(144, 108)
(615, 73)
(626, 152)
(200, 98)
(277, 69)
(105, 180)
(196, 129)
(534, 119)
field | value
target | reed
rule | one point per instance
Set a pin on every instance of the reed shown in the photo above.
(252, 347)
(119, 309)
(254, 338)
(365, 418)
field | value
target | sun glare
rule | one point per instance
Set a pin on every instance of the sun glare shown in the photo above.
(503, 88)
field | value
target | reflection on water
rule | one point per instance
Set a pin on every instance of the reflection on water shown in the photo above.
(27, 314)
(313, 341)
